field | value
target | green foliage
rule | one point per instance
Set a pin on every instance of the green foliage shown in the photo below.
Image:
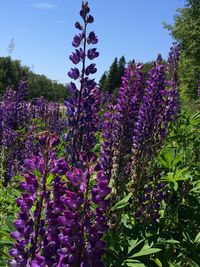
(112, 82)
(8, 211)
(122, 203)
(175, 239)
(102, 82)
(186, 30)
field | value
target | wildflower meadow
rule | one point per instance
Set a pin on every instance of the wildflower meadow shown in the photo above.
(101, 179)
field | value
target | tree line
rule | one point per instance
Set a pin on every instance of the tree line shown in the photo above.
(11, 72)
(110, 81)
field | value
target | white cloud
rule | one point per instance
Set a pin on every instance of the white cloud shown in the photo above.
(44, 5)
(22, 30)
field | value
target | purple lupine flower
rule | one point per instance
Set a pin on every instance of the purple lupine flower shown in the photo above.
(108, 141)
(74, 73)
(152, 195)
(84, 10)
(75, 57)
(151, 110)
(77, 40)
(54, 121)
(92, 53)
(30, 222)
(92, 38)
(127, 106)
(90, 19)
(78, 26)
(173, 83)
(90, 69)
(53, 226)
(152, 124)
(172, 66)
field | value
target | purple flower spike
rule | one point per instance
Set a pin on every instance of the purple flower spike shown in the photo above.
(83, 105)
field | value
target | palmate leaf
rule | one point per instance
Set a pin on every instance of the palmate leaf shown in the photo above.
(195, 119)
(195, 187)
(170, 159)
(167, 158)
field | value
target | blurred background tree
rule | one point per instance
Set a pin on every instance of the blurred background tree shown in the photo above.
(186, 30)
(39, 85)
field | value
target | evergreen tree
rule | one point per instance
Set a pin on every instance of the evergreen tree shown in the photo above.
(121, 67)
(102, 82)
(112, 79)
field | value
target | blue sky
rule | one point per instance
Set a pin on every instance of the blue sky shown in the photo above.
(43, 31)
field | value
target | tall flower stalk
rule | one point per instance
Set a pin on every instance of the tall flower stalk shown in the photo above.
(83, 106)
(127, 106)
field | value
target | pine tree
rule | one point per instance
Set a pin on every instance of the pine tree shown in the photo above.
(112, 80)
(121, 67)
(102, 82)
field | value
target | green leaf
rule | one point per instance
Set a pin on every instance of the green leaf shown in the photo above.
(171, 241)
(177, 159)
(173, 264)
(10, 224)
(175, 185)
(197, 238)
(133, 263)
(169, 156)
(122, 203)
(158, 262)
(5, 242)
(50, 178)
(144, 252)
(133, 244)
(37, 173)
(163, 162)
